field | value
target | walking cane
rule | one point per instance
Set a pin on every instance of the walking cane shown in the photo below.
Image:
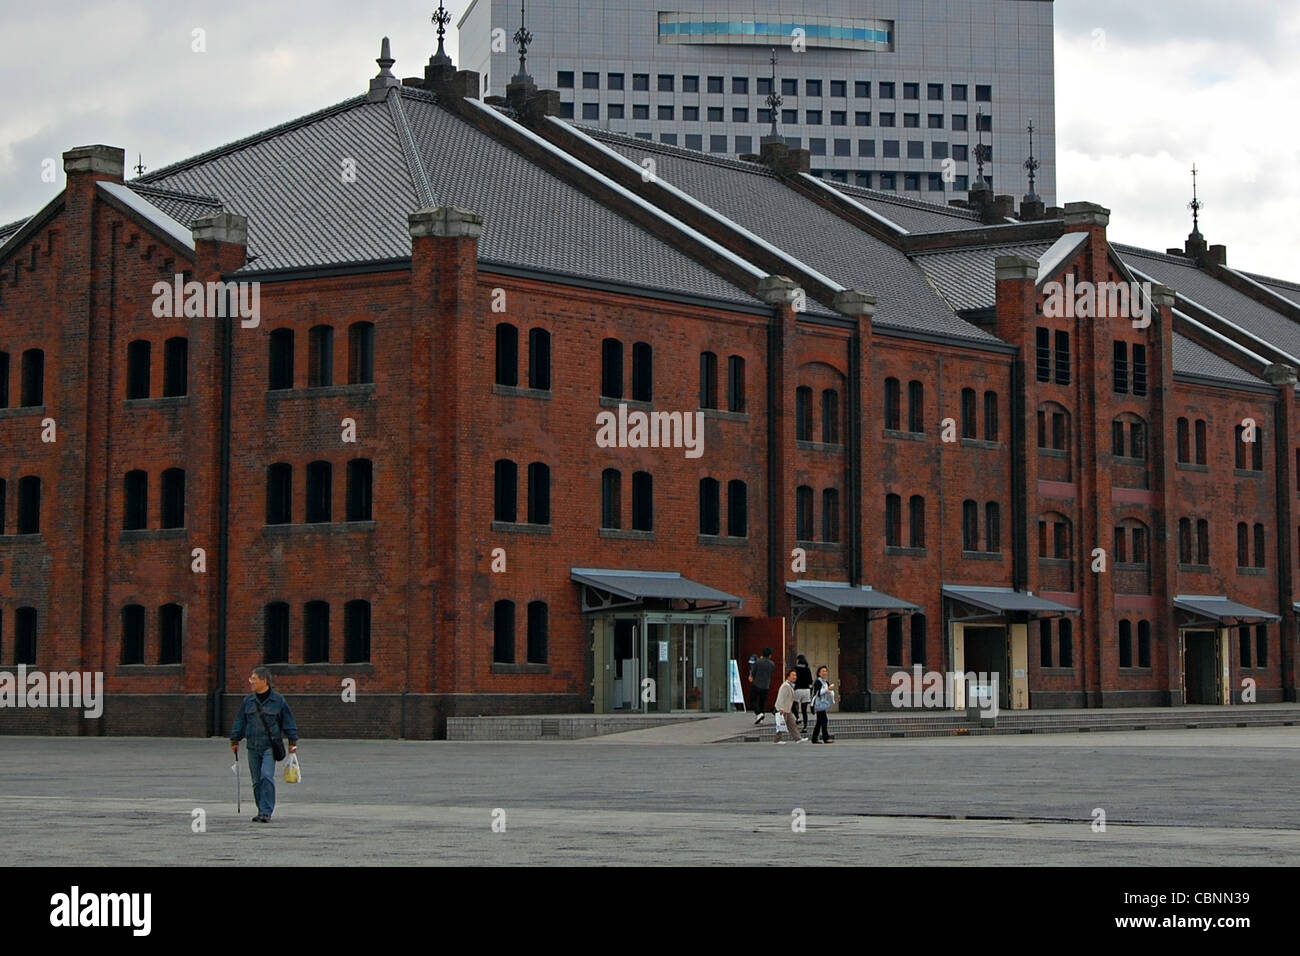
(239, 789)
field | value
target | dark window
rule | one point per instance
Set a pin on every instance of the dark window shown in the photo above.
(740, 85)
(735, 384)
(1202, 541)
(708, 380)
(1243, 545)
(1184, 442)
(886, 90)
(737, 509)
(539, 493)
(320, 357)
(133, 634)
(538, 627)
(615, 111)
(983, 93)
(715, 84)
(990, 416)
(992, 527)
(316, 633)
(356, 632)
(1062, 358)
(1144, 643)
(1117, 438)
(25, 636)
(1065, 641)
(803, 498)
(360, 489)
(564, 79)
(1043, 353)
(503, 632)
(916, 522)
(1200, 441)
(279, 493)
(643, 511)
(591, 81)
(614, 81)
(863, 118)
(1185, 540)
(918, 638)
(710, 506)
(959, 91)
(969, 427)
(1137, 440)
(171, 629)
(275, 633)
(4, 379)
(862, 89)
(970, 526)
(319, 491)
(1061, 539)
(642, 372)
(137, 369)
(1139, 544)
(611, 368)
(893, 521)
(814, 87)
(173, 498)
(1139, 369)
(641, 82)
(1243, 643)
(641, 111)
(915, 407)
(1119, 367)
(803, 413)
(664, 112)
(915, 149)
(1259, 546)
(539, 359)
(33, 392)
(29, 505)
(1125, 643)
(1257, 451)
(1261, 645)
(893, 405)
(176, 367)
(611, 498)
(1121, 545)
(690, 84)
(830, 416)
(1239, 447)
(507, 354)
(830, 515)
(960, 124)
(281, 359)
(2, 511)
(136, 488)
(1045, 643)
(894, 640)
(1060, 431)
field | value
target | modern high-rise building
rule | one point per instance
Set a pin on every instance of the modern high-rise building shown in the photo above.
(885, 94)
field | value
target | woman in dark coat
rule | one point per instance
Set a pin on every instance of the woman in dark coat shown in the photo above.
(803, 689)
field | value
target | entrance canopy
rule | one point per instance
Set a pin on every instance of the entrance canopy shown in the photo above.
(840, 596)
(1005, 601)
(1217, 607)
(604, 589)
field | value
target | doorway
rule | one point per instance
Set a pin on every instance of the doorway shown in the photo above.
(1200, 668)
(657, 664)
(986, 653)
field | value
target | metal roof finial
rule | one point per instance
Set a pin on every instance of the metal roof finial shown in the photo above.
(774, 99)
(1032, 165)
(1195, 206)
(441, 18)
(522, 39)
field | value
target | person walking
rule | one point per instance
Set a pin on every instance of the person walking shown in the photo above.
(760, 679)
(264, 720)
(823, 699)
(785, 704)
(803, 689)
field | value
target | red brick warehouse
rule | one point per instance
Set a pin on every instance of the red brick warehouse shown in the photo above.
(371, 453)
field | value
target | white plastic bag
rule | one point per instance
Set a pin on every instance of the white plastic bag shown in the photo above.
(293, 770)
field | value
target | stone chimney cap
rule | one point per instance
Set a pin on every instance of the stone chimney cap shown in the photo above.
(777, 290)
(227, 227)
(1280, 374)
(854, 302)
(1016, 267)
(445, 221)
(110, 160)
(1086, 214)
(1162, 296)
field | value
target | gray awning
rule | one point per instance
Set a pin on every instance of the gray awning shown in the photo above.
(644, 585)
(840, 596)
(1217, 607)
(1005, 600)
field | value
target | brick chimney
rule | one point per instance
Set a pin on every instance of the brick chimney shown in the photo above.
(777, 156)
(220, 244)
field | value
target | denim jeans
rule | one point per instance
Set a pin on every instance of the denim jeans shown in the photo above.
(261, 766)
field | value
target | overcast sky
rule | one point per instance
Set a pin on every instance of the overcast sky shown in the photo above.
(1144, 88)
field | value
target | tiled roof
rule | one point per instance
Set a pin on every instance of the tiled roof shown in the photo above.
(1192, 359)
(752, 197)
(966, 277)
(8, 230)
(1191, 283)
(185, 208)
(914, 215)
(409, 153)
(1288, 290)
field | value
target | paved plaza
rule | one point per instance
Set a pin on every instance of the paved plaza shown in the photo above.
(1192, 797)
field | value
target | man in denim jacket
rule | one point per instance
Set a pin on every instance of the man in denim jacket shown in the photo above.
(261, 758)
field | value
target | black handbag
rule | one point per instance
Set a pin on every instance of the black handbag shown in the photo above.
(277, 743)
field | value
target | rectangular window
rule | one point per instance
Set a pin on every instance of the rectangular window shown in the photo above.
(862, 89)
(666, 82)
(564, 79)
(641, 82)
(614, 111)
(715, 84)
(591, 111)
(915, 149)
(861, 118)
(911, 121)
(642, 501)
(665, 112)
(894, 641)
(614, 81)
(983, 93)
(356, 632)
(740, 85)
(886, 119)
(171, 630)
(839, 88)
(1139, 370)
(320, 357)
(591, 81)
(1062, 358)
(1044, 643)
(1043, 354)
(690, 84)
(717, 144)
(915, 407)
(814, 87)
(503, 632)
(137, 370)
(990, 416)
(739, 114)
(960, 124)
(360, 489)
(789, 87)
(1119, 368)
(839, 118)
(641, 111)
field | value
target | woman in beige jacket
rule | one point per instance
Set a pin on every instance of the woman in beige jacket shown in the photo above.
(785, 708)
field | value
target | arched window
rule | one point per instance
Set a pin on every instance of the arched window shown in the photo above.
(507, 355)
(1053, 427)
(893, 521)
(137, 369)
(503, 632)
(830, 417)
(136, 491)
(893, 405)
(735, 384)
(361, 482)
(173, 498)
(1132, 539)
(279, 493)
(1183, 441)
(803, 497)
(1144, 643)
(316, 633)
(538, 631)
(918, 638)
(4, 379)
(643, 509)
(280, 359)
(969, 426)
(176, 367)
(505, 496)
(737, 509)
(1201, 441)
(803, 415)
(275, 633)
(1185, 540)
(710, 508)
(830, 514)
(133, 634)
(320, 357)
(539, 359)
(611, 498)
(356, 632)
(992, 527)
(1125, 643)
(1054, 536)
(915, 407)
(643, 375)
(970, 525)
(1129, 437)
(539, 493)
(29, 505)
(708, 380)
(916, 522)
(320, 491)
(1065, 642)
(25, 619)
(171, 631)
(1202, 541)
(611, 368)
(361, 353)
(990, 416)
(33, 393)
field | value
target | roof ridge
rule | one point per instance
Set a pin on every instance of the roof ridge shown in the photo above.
(252, 140)
(1285, 283)
(711, 159)
(907, 201)
(424, 197)
(139, 187)
(1153, 254)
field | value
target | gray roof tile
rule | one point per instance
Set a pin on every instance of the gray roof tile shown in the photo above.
(752, 197)
(185, 208)
(966, 278)
(914, 215)
(1192, 359)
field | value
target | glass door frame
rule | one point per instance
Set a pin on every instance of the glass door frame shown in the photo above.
(699, 656)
